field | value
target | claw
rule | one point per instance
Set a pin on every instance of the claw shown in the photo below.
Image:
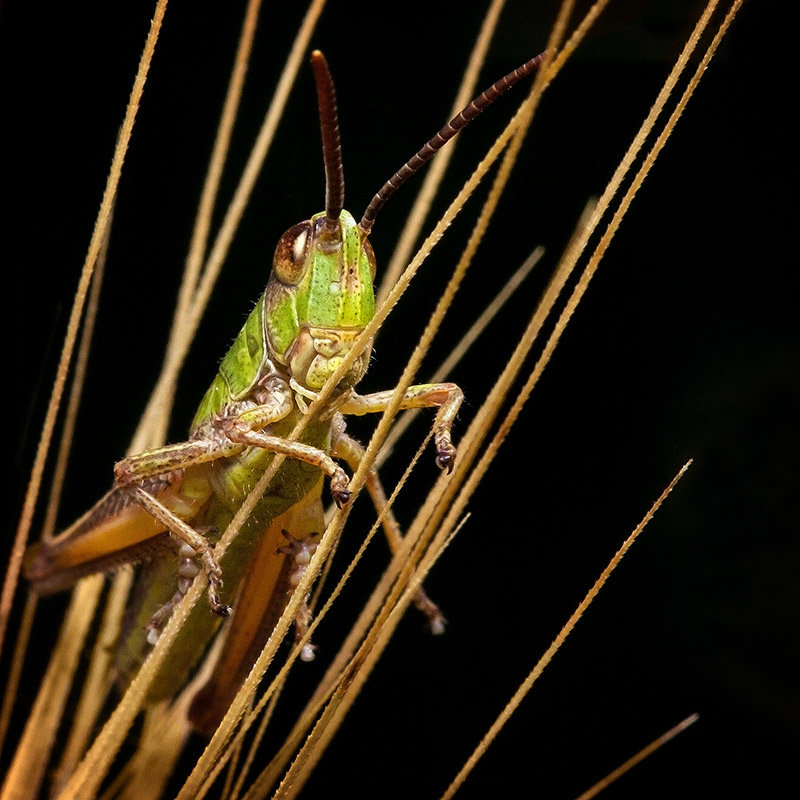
(437, 625)
(446, 460)
(220, 609)
(339, 483)
(436, 620)
(214, 600)
(341, 497)
(445, 450)
(214, 575)
(308, 652)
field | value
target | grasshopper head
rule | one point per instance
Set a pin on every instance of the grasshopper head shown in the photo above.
(319, 298)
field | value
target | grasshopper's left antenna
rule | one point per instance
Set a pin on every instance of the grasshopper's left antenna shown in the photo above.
(457, 124)
(331, 143)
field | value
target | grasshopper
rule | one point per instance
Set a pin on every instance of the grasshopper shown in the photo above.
(172, 500)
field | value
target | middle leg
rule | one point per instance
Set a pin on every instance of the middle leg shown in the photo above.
(353, 453)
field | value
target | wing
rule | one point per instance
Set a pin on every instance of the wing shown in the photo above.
(115, 531)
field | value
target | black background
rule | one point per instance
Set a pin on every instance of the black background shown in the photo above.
(685, 346)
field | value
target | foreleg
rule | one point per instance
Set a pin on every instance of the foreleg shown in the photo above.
(352, 452)
(447, 396)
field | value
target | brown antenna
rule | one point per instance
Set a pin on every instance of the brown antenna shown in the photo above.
(331, 143)
(458, 123)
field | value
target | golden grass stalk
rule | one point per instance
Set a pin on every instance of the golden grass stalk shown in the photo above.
(548, 655)
(95, 246)
(637, 758)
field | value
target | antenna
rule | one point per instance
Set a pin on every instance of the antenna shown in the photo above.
(458, 123)
(331, 142)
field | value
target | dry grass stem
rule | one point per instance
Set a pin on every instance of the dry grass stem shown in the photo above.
(155, 420)
(95, 246)
(547, 657)
(57, 481)
(435, 172)
(27, 770)
(644, 753)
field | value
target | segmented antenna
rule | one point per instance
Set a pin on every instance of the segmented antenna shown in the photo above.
(458, 123)
(331, 143)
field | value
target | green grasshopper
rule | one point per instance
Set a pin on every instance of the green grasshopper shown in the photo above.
(172, 499)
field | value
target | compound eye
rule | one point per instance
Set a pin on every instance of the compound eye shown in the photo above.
(368, 252)
(289, 261)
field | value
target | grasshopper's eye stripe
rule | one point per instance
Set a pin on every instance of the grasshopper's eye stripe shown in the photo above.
(299, 247)
(369, 253)
(289, 261)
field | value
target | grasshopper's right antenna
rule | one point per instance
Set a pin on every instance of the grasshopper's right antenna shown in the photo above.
(458, 123)
(331, 143)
